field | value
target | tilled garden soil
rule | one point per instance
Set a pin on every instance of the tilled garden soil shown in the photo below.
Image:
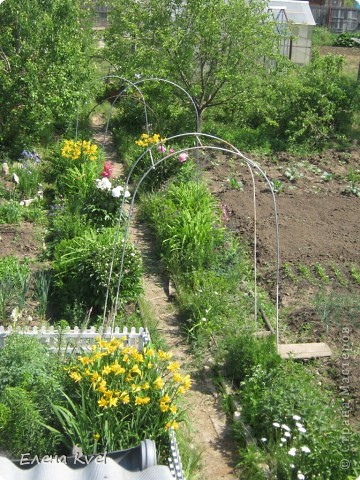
(319, 231)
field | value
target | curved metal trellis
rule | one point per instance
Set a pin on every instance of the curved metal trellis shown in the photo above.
(230, 149)
(107, 77)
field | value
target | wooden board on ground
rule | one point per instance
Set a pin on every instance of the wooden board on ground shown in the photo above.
(304, 350)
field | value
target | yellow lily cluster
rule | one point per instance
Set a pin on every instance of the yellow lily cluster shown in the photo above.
(121, 380)
(80, 149)
(147, 140)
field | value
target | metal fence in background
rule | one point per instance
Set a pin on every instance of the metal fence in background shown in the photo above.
(337, 19)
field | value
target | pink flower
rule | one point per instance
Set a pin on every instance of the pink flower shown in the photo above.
(161, 149)
(108, 168)
(183, 157)
(171, 150)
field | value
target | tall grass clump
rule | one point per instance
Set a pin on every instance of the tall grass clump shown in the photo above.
(187, 225)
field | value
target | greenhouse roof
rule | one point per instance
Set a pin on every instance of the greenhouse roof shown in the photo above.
(298, 12)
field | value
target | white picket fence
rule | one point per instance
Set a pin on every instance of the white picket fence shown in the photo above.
(78, 340)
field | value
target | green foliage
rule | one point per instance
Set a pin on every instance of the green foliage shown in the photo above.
(65, 223)
(23, 432)
(28, 170)
(353, 188)
(270, 399)
(26, 363)
(306, 273)
(245, 353)
(45, 60)
(102, 204)
(295, 107)
(30, 379)
(322, 36)
(201, 45)
(73, 166)
(11, 212)
(82, 267)
(355, 273)
(119, 396)
(321, 273)
(14, 281)
(289, 272)
(337, 309)
(42, 282)
(346, 39)
(142, 163)
(187, 224)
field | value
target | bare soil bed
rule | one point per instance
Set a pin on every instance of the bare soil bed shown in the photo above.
(319, 225)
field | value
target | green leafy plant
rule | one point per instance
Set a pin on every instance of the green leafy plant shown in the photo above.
(337, 309)
(278, 186)
(23, 431)
(119, 396)
(355, 273)
(321, 273)
(235, 184)
(28, 171)
(326, 176)
(187, 223)
(30, 379)
(353, 176)
(292, 173)
(322, 36)
(14, 285)
(11, 212)
(306, 273)
(346, 39)
(289, 272)
(287, 399)
(82, 265)
(50, 45)
(246, 352)
(211, 65)
(42, 282)
(339, 275)
(102, 203)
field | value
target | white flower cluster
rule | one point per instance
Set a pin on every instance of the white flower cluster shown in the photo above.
(105, 185)
(286, 434)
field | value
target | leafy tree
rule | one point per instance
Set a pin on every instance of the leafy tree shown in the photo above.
(45, 52)
(203, 45)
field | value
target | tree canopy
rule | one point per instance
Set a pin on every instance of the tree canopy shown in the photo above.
(45, 52)
(203, 45)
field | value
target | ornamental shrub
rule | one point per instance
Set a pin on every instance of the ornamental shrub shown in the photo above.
(82, 266)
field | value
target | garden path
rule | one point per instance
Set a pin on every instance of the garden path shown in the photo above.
(207, 422)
